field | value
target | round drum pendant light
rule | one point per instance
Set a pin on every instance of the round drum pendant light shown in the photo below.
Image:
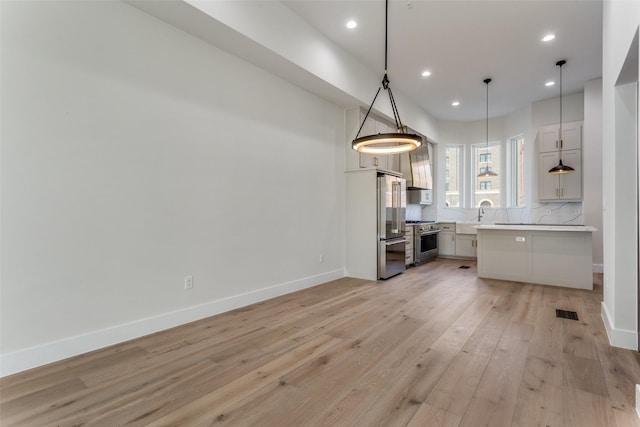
(386, 143)
(486, 171)
(561, 168)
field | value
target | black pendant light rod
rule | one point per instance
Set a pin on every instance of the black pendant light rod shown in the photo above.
(386, 29)
(385, 79)
(486, 82)
(560, 64)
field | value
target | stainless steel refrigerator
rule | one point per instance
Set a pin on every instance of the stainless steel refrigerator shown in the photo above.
(392, 205)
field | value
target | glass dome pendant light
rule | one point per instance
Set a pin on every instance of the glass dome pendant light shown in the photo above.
(486, 171)
(560, 168)
(386, 143)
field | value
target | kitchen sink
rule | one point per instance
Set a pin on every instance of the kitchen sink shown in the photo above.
(467, 227)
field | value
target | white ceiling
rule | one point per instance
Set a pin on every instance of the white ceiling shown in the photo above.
(464, 42)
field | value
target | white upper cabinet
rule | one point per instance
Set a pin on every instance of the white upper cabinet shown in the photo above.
(560, 187)
(571, 137)
(565, 187)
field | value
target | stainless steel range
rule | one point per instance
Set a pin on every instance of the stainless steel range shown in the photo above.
(425, 241)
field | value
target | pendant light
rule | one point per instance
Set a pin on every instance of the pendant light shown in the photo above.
(386, 143)
(486, 172)
(560, 168)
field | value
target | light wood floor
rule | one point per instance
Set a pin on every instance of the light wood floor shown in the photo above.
(434, 346)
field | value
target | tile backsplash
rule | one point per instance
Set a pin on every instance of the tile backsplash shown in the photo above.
(539, 213)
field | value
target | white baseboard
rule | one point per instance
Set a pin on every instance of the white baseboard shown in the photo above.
(618, 337)
(21, 360)
(638, 400)
(598, 268)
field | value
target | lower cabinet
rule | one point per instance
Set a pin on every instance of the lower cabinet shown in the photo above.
(447, 243)
(466, 245)
(556, 258)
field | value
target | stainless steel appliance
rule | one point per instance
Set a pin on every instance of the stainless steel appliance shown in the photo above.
(426, 241)
(417, 168)
(392, 206)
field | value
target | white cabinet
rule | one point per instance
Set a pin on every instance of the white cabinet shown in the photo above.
(446, 243)
(420, 197)
(408, 234)
(549, 257)
(370, 127)
(447, 239)
(571, 137)
(466, 245)
(566, 186)
(361, 252)
(560, 187)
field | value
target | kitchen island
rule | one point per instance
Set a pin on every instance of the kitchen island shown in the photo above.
(556, 255)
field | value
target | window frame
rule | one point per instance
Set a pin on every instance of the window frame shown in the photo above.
(461, 174)
(513, 171)
(476, 166)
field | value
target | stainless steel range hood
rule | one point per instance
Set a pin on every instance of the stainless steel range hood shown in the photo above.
(416, 168)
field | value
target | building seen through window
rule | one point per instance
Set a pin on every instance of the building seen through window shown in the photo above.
(486, 190)
(453, 175)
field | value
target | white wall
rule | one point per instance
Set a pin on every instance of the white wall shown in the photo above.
(297, 50)
(134, 154)
(547, 112)
(621, 20)
(592, 164)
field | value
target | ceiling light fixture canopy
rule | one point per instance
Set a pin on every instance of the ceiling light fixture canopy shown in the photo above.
(486, 172)
(561, 168)
(386, 143)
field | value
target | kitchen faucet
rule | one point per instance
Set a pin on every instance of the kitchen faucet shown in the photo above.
(480, 213)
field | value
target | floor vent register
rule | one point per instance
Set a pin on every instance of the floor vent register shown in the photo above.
(464, 267)
(564, 314)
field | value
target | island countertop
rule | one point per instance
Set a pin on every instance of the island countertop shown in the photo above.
(537, 227)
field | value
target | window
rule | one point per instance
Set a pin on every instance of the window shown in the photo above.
(486, 189)
(516, 146)
(454, 175)
(485, 157)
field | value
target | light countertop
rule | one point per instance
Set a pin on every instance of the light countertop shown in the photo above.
(537, 227)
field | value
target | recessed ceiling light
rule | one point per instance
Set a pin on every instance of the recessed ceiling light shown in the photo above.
(351, 24)
(455, 103)
(548, 37)
(426, 73)
(550, 83)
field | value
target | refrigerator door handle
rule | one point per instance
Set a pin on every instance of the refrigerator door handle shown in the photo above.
(398, 206)
(395, 220)
(395, 241)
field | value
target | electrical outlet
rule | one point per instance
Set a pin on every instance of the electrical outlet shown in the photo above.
(321, 258)
(578, 211)
(548, 212)
(188, 282)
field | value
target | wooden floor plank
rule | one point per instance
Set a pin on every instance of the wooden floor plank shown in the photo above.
(435, 346)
